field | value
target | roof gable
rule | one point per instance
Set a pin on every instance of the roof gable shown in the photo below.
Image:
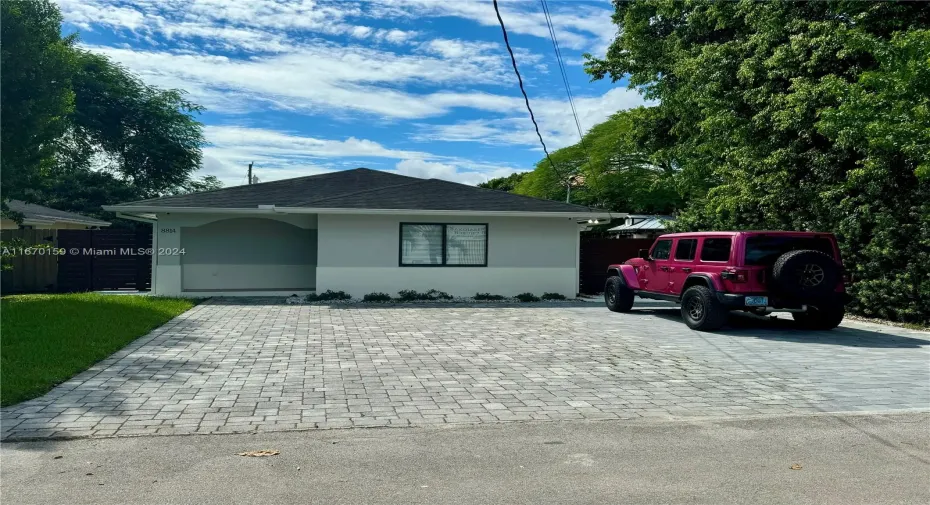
(360, 188)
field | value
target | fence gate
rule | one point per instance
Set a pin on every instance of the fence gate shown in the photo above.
(598, 253)
(105, 259)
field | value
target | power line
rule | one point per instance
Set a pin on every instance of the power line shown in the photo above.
(568, 87)
(513, 61)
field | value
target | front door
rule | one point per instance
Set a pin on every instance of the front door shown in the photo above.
(654, 274)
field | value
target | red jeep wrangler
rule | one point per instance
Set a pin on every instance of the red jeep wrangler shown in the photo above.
(712, 273)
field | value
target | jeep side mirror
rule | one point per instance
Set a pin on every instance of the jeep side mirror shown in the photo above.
(644, 254)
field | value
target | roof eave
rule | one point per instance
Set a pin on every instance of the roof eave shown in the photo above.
(271, 209)
(44, 220)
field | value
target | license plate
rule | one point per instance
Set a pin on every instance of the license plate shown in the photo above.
(757, 301)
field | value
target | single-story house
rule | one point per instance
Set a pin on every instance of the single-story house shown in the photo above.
(39, 217)
(641, 226)
(361, 231)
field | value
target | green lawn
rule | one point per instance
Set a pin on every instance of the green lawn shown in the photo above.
(46, 339)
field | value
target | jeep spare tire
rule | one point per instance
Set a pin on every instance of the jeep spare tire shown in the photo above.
(805, 274)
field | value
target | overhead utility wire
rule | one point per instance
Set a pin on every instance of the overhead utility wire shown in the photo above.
(568, 87)
(513, 61)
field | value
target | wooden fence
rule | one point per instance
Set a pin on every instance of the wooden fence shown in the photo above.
(598, 253)
(91, 260)
(30, 273)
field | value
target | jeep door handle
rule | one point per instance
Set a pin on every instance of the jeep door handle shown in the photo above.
(664, 269)
(686, 270)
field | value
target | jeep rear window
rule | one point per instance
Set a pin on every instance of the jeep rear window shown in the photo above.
(716, 249)
(762, 250)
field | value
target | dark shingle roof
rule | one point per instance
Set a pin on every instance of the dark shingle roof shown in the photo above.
(362, 188)
(31, 211)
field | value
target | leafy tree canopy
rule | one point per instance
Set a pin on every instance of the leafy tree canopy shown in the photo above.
(504, 183)
(624, 164)
(80, 131)
(36, 99)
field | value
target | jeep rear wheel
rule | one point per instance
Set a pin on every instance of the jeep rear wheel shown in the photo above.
(822, 318)
(617, 296)
(701, 310)
(805, 274)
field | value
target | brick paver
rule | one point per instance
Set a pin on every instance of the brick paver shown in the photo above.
(242, 365)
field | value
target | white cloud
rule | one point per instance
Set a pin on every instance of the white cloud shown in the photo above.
(243, 24)
(247, 25)
(286, 144)
(282, 155)
(448, 172)
(322, 77)
(396, 36)
(577, 26)
(555, 119)
(361, 32)
(90, 13)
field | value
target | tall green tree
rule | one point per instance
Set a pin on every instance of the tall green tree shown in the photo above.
(624, 164)
(796, 115)
(143, 135)
(80, 131)
(36, 98)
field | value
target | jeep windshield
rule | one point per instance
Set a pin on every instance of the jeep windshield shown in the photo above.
(764, 250)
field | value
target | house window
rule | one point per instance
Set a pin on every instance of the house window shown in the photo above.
(431, 244)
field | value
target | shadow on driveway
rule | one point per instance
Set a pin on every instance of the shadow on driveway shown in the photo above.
(786, 330)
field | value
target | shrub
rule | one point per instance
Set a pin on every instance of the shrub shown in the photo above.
(438, 295)
(328, 295)
(553, 296)
(376, 297)
(410, 295)
(527, 297)
(488, 296)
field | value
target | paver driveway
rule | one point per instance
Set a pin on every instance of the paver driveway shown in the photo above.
(238, 366)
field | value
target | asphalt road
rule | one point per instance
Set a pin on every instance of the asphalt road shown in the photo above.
(869, 459)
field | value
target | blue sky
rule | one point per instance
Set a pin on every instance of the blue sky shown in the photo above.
(420, 87)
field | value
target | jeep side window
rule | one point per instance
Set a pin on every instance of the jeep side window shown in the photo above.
(716, 249)
(685, 249)
(661, 250)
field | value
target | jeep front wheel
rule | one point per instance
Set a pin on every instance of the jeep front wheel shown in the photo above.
(823, 318)
(701, 310)
(617, 296)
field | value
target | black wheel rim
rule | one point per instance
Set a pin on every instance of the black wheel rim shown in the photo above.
(811, 275)
(695, 309)
(611, 295)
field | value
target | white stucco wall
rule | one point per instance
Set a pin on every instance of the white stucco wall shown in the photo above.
(359, 254)
(243, 252)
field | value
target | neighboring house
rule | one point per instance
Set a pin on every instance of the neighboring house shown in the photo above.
(361, 231)
(640, 226)
(44, 218)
